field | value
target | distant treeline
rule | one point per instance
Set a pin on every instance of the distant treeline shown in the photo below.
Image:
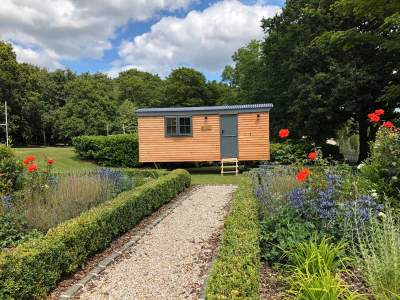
(324, 64)
(52, 107)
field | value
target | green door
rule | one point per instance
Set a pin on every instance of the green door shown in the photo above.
(229, 139)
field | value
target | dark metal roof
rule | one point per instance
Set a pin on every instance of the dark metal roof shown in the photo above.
(204, 110)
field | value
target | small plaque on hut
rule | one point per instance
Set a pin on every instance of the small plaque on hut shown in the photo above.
(206, 127)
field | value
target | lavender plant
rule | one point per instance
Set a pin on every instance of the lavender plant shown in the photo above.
(65, 196)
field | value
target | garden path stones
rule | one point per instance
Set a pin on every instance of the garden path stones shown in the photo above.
(171, 259)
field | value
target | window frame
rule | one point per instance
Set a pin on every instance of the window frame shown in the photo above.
(178, 129)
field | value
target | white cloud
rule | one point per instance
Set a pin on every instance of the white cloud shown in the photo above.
(205, 40)
(72, 29)
(44, 58)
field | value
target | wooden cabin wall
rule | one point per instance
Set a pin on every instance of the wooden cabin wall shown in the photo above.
(204, 145)
(253, 135)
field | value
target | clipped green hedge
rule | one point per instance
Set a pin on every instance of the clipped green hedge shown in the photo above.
(235, 274)
(120, 150)
(154, 173)
(32, 269)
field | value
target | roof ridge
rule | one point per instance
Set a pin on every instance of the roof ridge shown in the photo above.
(198, 109)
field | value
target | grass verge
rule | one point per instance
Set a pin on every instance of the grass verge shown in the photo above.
(235, 273)
(215, 179)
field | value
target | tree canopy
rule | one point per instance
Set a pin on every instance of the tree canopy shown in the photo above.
(323, 64)
(52, 107)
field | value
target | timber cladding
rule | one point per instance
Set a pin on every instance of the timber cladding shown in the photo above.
(204, 144)
(253, 136)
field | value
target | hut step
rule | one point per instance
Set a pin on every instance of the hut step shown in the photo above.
(229, 163)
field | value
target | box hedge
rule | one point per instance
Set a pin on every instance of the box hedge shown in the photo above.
(235, 274)
(120, 150)
(153, 173)
(32, 269)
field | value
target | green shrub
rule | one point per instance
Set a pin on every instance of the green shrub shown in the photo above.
(6, 152)
(379, 256)
(120, 150)
(33, 268)
(314, 268)
(11, 233)
(10, 170)
(236, 270)
(291, 152)
(308, 256)
(382, 169)
(288, 153)
(152, 173)
(323, 286)
(281, 232)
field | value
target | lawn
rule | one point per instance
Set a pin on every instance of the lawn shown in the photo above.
(215, 179)
(65, 157)
(67, 160)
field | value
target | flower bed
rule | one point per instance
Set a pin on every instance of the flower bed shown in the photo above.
(325, 226)
(35, 199)
(236, 270)
(33, 268)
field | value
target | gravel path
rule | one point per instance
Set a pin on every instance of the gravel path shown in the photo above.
(171, 261)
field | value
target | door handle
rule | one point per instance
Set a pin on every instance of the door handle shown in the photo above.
(222, 131)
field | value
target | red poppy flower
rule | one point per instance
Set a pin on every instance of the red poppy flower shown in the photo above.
(283, 133)
(29, 159)
(379, 112)
(303, 174)
(374, 118)
(32, 168)
(50, 161)
(388, 124)
(312, 155)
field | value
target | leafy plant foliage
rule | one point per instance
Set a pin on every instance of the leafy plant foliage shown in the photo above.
(121, 150)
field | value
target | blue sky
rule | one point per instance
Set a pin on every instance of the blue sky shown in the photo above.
(154, 36)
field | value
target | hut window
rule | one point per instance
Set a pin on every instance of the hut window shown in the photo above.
(178, 126)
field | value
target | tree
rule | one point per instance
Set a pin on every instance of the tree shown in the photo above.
(90, 107)
(186, 87)
(286, 70)
(53, 96)
(9, 84)
(368, 47)
(52, 107)
(126, 117)
(221, 93)
(143, 89)
(324, 62)
(246, 74)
